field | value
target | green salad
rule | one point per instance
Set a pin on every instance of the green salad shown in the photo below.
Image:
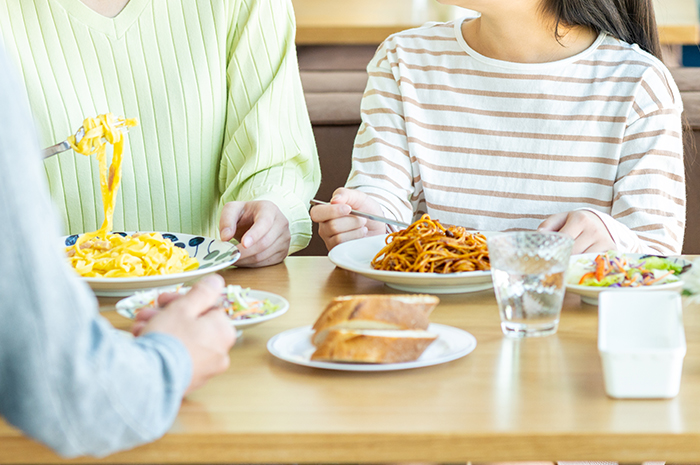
(615, 269)
(240, 306)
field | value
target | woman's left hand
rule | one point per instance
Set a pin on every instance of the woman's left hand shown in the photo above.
(589, 231)
(261, 229)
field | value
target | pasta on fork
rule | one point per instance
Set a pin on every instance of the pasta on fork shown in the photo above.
(101, 254)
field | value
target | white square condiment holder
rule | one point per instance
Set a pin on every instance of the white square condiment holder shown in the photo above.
(641, 343)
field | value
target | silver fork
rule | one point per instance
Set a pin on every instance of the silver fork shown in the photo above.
(366, 215)
(79, 134)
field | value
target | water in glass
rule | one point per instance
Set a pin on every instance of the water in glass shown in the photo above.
(528, 270)
(529, 303)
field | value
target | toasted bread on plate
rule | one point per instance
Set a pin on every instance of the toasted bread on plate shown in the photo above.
(374, 328)
(373, 346)
(396, 312)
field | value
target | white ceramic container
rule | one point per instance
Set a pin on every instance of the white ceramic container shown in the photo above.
(642, 343)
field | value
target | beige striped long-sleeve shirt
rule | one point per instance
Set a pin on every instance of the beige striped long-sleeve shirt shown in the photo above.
(498, 146)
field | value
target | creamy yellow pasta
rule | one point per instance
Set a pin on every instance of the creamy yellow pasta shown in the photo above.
(99, 254)
(146, 254)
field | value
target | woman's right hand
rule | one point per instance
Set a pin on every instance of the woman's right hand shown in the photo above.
(336, 225)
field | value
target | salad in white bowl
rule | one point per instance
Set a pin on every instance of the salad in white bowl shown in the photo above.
(590, 274)
(245, 307)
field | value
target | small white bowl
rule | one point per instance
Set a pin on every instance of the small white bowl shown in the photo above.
(641, 343)
(589, 294)
(129, 307)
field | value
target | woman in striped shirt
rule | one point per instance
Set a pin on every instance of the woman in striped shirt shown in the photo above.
(535, 114)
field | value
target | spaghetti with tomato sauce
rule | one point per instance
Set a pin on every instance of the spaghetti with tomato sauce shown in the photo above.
(426, 246)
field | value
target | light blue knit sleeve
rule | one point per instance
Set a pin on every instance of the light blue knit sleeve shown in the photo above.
(67, 378)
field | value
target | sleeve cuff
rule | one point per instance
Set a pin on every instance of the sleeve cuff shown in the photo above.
(175, 356)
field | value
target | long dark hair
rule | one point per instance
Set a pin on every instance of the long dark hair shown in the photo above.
(631, 21)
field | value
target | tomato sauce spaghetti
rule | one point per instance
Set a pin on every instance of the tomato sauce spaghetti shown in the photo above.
(426, 246)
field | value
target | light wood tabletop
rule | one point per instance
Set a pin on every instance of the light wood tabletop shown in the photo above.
(371, 21)
(535, 399)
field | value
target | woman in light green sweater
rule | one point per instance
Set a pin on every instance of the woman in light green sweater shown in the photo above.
(224, 142)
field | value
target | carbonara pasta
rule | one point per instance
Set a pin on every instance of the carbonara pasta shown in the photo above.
(99, 254)
(426, 246)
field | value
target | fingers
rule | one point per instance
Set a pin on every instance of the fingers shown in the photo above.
(167, 297)
(227, 333)
(145, 314)
(332, 241)
(591, 242)
(266, 257)
(210, 347)
(266, 216)
(572, 228)
(554, 222)
(342, 202)
(262, 229)
(351, 197)
(322, 213)
(142, 318)
(269, 250)
(137, 328)
(342, 225)
(228, 222)
(585, 227)
(204, 295)
(341, 230)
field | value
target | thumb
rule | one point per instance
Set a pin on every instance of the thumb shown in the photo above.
(204, 295)
(554, 222)
(228, 222)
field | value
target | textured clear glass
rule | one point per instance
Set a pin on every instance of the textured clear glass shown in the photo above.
(528, 277)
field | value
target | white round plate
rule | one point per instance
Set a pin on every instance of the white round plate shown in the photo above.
(357, 256)
(589, 294)
(128, 307)
(294, 346)
(212, 254)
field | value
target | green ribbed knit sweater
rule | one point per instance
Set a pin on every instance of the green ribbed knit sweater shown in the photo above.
(215, 87)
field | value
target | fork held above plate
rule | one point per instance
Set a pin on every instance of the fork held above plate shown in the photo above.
(369, 216)
(79, 134)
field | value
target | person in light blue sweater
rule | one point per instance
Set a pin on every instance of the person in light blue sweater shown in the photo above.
(67, 378)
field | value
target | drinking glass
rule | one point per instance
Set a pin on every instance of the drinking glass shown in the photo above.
(528, 270)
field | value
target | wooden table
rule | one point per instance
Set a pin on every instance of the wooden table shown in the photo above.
(371, 21)
(537, 399)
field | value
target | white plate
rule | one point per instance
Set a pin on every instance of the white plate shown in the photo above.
(213, 255)
(294, 346)
(357, 256)
(128, 307)
(589, 294)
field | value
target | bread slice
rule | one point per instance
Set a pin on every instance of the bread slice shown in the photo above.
(373, 346)
(375, 312)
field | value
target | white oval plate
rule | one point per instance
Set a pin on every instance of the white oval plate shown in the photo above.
(589, 294)
(128, 307)
(294, 346)
(213, 255)
(357, 256)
